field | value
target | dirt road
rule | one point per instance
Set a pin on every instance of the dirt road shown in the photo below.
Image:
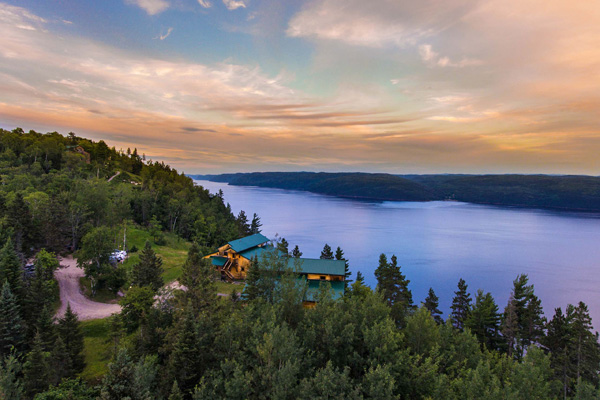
(68, 281)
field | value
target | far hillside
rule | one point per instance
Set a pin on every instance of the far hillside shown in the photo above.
(569, 192)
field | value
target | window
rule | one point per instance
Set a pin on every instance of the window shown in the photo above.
(323, 277)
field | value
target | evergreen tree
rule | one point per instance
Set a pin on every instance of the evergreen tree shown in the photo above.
(510, 325)
(394, 287)
(484, 320)
(69, 331)
(255, 225)
(198, 278)
(46, 329)
(296, 253)
(283, 246)
(60, 362)
(252, 289)
(36, 371)
(184, 362)
(175, 392)
(117, 384)
(530, 321)
(11, 271)
(432, 303)
(242, 222)
(558, 342)
(11, 387)
(12, 328)
(586, 350)
(326, 253)
(461, 304)
(339, 255)
(148, 271)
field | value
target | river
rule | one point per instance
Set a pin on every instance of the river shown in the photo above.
(437, 243)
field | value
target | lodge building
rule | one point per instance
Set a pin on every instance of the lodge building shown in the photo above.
(233, 260)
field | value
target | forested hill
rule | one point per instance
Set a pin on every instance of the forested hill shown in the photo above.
(580, 193)
(55, 189)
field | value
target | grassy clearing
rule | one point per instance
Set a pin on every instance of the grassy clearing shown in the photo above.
(97, 349)
(227, 288)
(102, 295)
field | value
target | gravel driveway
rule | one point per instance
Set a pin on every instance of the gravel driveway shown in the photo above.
(68, 281)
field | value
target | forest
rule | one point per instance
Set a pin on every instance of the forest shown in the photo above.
(63, 195)
(576, 193)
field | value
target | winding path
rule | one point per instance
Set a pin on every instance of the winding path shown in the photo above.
(70, 293)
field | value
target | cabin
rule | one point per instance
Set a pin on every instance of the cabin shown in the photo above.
(233, 260)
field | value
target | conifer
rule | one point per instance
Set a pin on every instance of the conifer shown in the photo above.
(394, 287)
(296, 253)
(339, 255)
(11, 387)
(461, 305)
(10, 270)
(36, 371)
(69, 330)
(432, 303)
(148, 271)
(12, 327)
(326, 253)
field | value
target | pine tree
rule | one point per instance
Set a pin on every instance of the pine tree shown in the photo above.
(484, 320)
(46, 328)
(510, 325)
(360, 278)
(283, 246)
(11, 387)
(148, 271)
(558, 343)
(36, 371)
(296, 253)
(394, 286)
(326, 254)
(175, 392)
(242, 222)
(60, 362)
(11, 271)
(198, 278)
(12, 328)
(528, 309)
(184, 362)
(461, 304)
(586, 350)
(339, 255)
(255, 225)
(69, 331)
(432, 303)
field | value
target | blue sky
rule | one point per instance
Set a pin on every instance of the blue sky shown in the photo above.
(246, 85)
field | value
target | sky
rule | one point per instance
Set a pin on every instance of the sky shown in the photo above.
(398, 86)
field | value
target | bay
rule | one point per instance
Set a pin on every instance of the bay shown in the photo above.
(437, 243)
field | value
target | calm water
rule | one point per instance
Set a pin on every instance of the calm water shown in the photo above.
(439, 242)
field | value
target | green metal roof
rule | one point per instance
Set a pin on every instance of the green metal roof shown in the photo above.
(218, 261)
(318, 266)
(248, 242)
(255, 251)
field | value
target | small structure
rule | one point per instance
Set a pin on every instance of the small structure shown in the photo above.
(233, 261)
(78, 149)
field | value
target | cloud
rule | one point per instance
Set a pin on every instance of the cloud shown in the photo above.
(152, 7)
(234, 4)
(166, 35)
(433, 59)
(205, 3)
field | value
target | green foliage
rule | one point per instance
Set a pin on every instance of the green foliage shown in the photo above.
(326, 253)
(296, 253)
(484, 320)
(70, 389)
(70, 333)
(461, 305)
(10, 270)
(11, 387)
(135, 306)
(36, 370)
(432, 303)
(12, 329)
(394, 286)
(148, 271)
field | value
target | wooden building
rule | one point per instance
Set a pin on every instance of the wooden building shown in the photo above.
(233, 261)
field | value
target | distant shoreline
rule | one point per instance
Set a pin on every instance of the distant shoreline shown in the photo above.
(570, 193)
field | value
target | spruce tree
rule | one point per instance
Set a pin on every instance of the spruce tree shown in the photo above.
(558, 342)
(175, 392)
(242, 222)
(296, 253)
(198, 278)
(585, 347)
(484, 320)
(283, 246)
(339, 255)
(117, 383)
(60, 362)
(11, 387)
(461, 304)
(12, 328)
(69, 331)
(36, 371)
(11, 271)
(510, 325)
(432, 303)
(530, 320)
(360, 278)
(252, 289)
(46, 328)
(394, 287)
(148, 271)
(255, 225)
(326, 253)
(184, 362)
